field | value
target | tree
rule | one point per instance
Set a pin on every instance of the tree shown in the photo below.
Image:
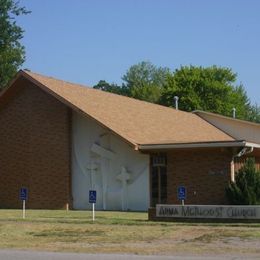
(12, 53)
(113, 88)
(254, 113)
(210, 89)
(246, 189)
(145, 81)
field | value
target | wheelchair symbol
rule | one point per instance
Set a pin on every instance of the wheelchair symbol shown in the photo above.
(92, 196)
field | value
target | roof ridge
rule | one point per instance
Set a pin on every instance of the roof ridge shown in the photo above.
(54, 78)
(110, 93)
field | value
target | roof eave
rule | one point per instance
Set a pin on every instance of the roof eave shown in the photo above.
(254, 145)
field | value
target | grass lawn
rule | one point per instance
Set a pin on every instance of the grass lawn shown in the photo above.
(122, 232)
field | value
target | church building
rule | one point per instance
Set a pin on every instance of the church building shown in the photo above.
(60, 140)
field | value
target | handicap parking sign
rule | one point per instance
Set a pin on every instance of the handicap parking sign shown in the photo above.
(23, 194)
(181, 193)
(92, 196)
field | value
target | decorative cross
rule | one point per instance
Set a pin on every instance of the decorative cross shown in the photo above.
(92, 167)
(124, 176)
(106, 156)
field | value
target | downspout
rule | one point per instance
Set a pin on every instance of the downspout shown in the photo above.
(245, 150)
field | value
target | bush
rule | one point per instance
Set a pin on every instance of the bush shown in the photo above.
(246, 189)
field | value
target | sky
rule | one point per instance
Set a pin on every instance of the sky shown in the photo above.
(84, 41)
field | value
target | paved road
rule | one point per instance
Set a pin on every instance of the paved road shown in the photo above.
(31, 255)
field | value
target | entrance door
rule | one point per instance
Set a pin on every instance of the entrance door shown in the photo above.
(158, 179)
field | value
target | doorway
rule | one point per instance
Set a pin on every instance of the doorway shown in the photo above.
(158, 179)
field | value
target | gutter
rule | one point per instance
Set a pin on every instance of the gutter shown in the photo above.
(196, 145)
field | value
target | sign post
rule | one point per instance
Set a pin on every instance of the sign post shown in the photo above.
(182, 194)
(93, 199)
(23, 197)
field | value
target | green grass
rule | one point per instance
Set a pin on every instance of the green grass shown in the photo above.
(120, 232)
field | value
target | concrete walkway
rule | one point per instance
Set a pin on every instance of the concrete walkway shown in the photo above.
(34, 255)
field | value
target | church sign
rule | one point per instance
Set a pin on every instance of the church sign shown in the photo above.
(208, 211)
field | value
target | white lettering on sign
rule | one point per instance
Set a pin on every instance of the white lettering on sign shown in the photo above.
(208, 211)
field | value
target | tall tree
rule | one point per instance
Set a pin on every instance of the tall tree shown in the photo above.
(145, 81)
(254, 113)
(112, 88)
(12, 54)
(210, 89)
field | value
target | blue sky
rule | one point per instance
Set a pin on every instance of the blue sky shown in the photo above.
(84, 41)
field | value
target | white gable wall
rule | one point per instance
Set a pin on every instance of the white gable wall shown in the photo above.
(104, 162)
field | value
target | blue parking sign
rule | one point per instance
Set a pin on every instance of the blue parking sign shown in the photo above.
(181, 193)
(92, 196)
(23, 193)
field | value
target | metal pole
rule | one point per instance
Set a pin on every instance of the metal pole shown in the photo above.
(93, 211)
(176, 98)
(234, 112)
(23, 209)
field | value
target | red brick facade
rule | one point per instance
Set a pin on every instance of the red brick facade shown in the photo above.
(34, 149)
(204, 172)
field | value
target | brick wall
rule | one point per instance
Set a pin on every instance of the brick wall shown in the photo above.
(34, 149)
(204, 172)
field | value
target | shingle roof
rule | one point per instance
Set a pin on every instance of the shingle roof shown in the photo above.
(136, 121)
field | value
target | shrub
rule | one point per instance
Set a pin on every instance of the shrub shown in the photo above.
(246, 189)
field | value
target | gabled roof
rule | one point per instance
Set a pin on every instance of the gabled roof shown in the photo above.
(138, 122)
(231, 119)
(238, 129)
